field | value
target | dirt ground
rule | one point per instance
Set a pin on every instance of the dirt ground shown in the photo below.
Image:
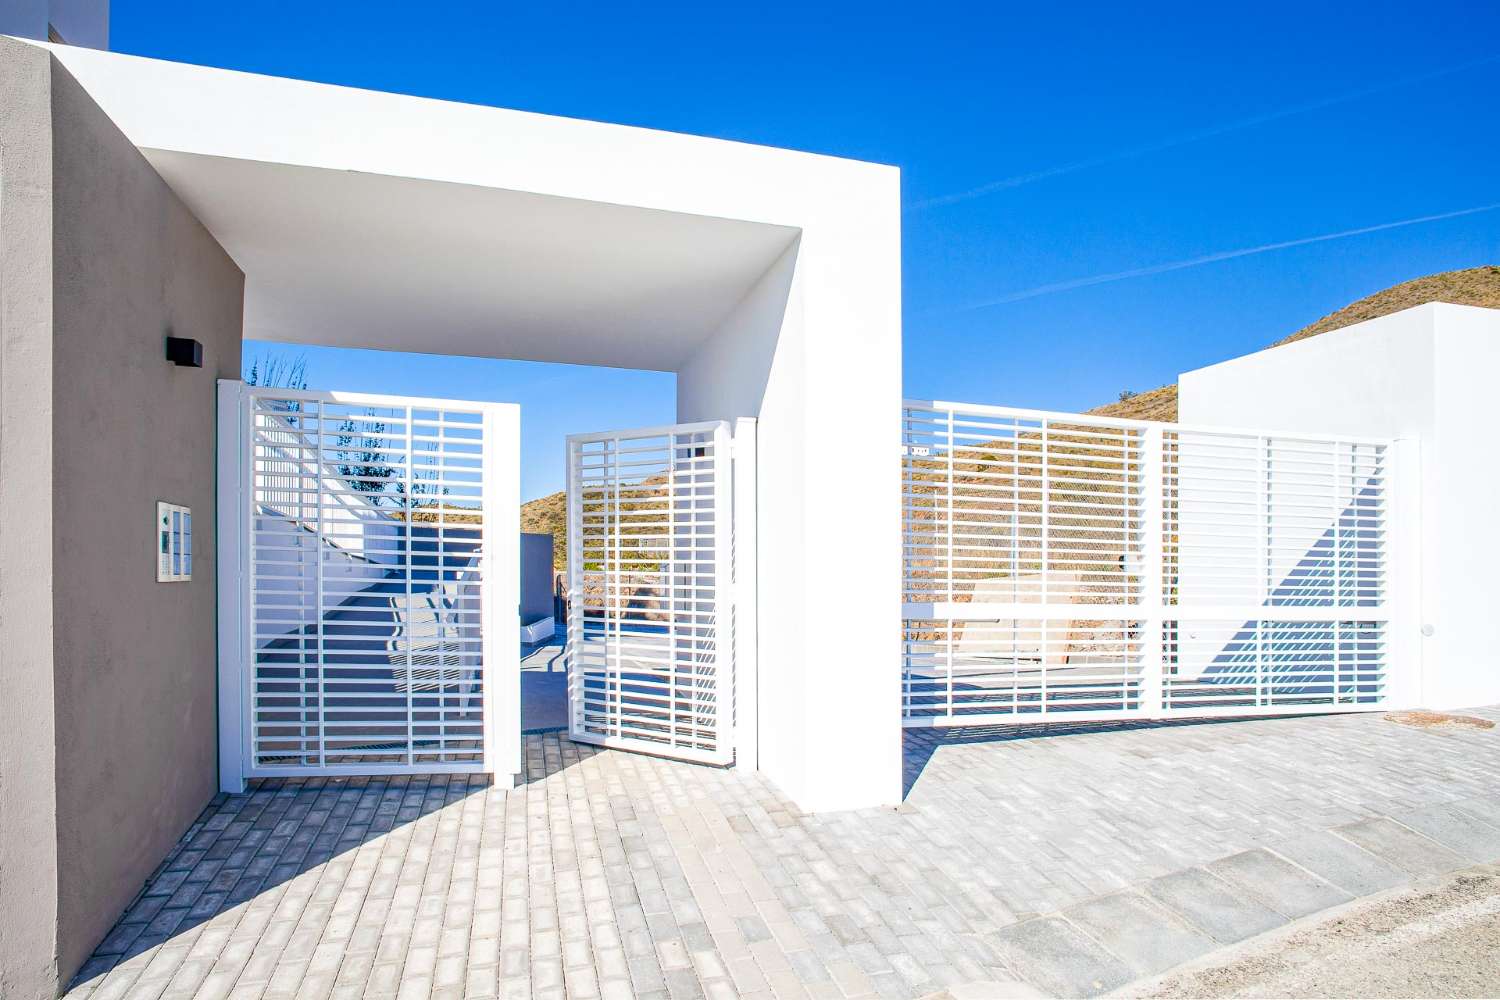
(1442, 940)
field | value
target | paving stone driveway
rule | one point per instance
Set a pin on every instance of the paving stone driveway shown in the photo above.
(1068, 863)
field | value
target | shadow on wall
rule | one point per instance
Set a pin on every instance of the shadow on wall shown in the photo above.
(730, 372)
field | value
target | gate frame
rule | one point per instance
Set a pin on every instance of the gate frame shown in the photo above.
(736, 544)
(1400, 610)
(499, 586)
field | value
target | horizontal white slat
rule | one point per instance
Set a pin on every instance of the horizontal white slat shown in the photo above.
(1280, 534)
(365, 616)
(648, 569)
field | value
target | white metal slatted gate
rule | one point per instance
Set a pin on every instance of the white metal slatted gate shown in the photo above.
(650, 591)
(360, 538)
(1063, 567)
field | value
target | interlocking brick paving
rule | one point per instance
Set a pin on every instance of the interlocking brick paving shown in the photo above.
(616, 875)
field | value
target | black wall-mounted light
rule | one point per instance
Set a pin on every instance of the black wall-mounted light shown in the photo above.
(184, 352)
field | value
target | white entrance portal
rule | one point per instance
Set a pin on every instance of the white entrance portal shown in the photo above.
(368, 579)
(651, 590)
(767, 280)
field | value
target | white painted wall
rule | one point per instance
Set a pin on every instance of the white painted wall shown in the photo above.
(814, 352)
(1426, 375)
(850, 504)
(729, 374)
(1465, 476)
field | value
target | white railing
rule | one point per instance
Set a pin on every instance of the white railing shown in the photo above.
(1065, 567)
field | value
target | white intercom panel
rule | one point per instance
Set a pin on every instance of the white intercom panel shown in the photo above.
(174, 542)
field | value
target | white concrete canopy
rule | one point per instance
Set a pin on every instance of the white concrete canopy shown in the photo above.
(359, 259)
(361, 217)
(768, 280)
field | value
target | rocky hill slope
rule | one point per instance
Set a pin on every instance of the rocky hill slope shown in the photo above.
(1476, 286)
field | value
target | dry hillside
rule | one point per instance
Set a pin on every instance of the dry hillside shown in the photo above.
(1477, 286)
(548, 515)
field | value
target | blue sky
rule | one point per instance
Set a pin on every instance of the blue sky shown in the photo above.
(1085, 140)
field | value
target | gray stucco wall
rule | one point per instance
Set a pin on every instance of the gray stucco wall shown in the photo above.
(28, 810)
(536, 576)
(131, 661)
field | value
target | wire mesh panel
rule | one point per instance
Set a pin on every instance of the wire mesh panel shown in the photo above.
(1063, 565)
(365, 624)
(649, 591)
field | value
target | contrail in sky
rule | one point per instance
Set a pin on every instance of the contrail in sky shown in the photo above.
(1179, 265)
(1188, 137)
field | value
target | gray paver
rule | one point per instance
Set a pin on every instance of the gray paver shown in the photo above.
(1405, 848)
(1142, 933)
(608, 874)
(1213, 906)
(1481, 807)
(1344, 864)
(1456, 829)
(1284, 887)
(1058, 958)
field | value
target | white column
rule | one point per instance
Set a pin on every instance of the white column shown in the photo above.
(501, 592)
(1405, 638)
(746, 607)
(813, 351)
(233, 518)
(1149, 560)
